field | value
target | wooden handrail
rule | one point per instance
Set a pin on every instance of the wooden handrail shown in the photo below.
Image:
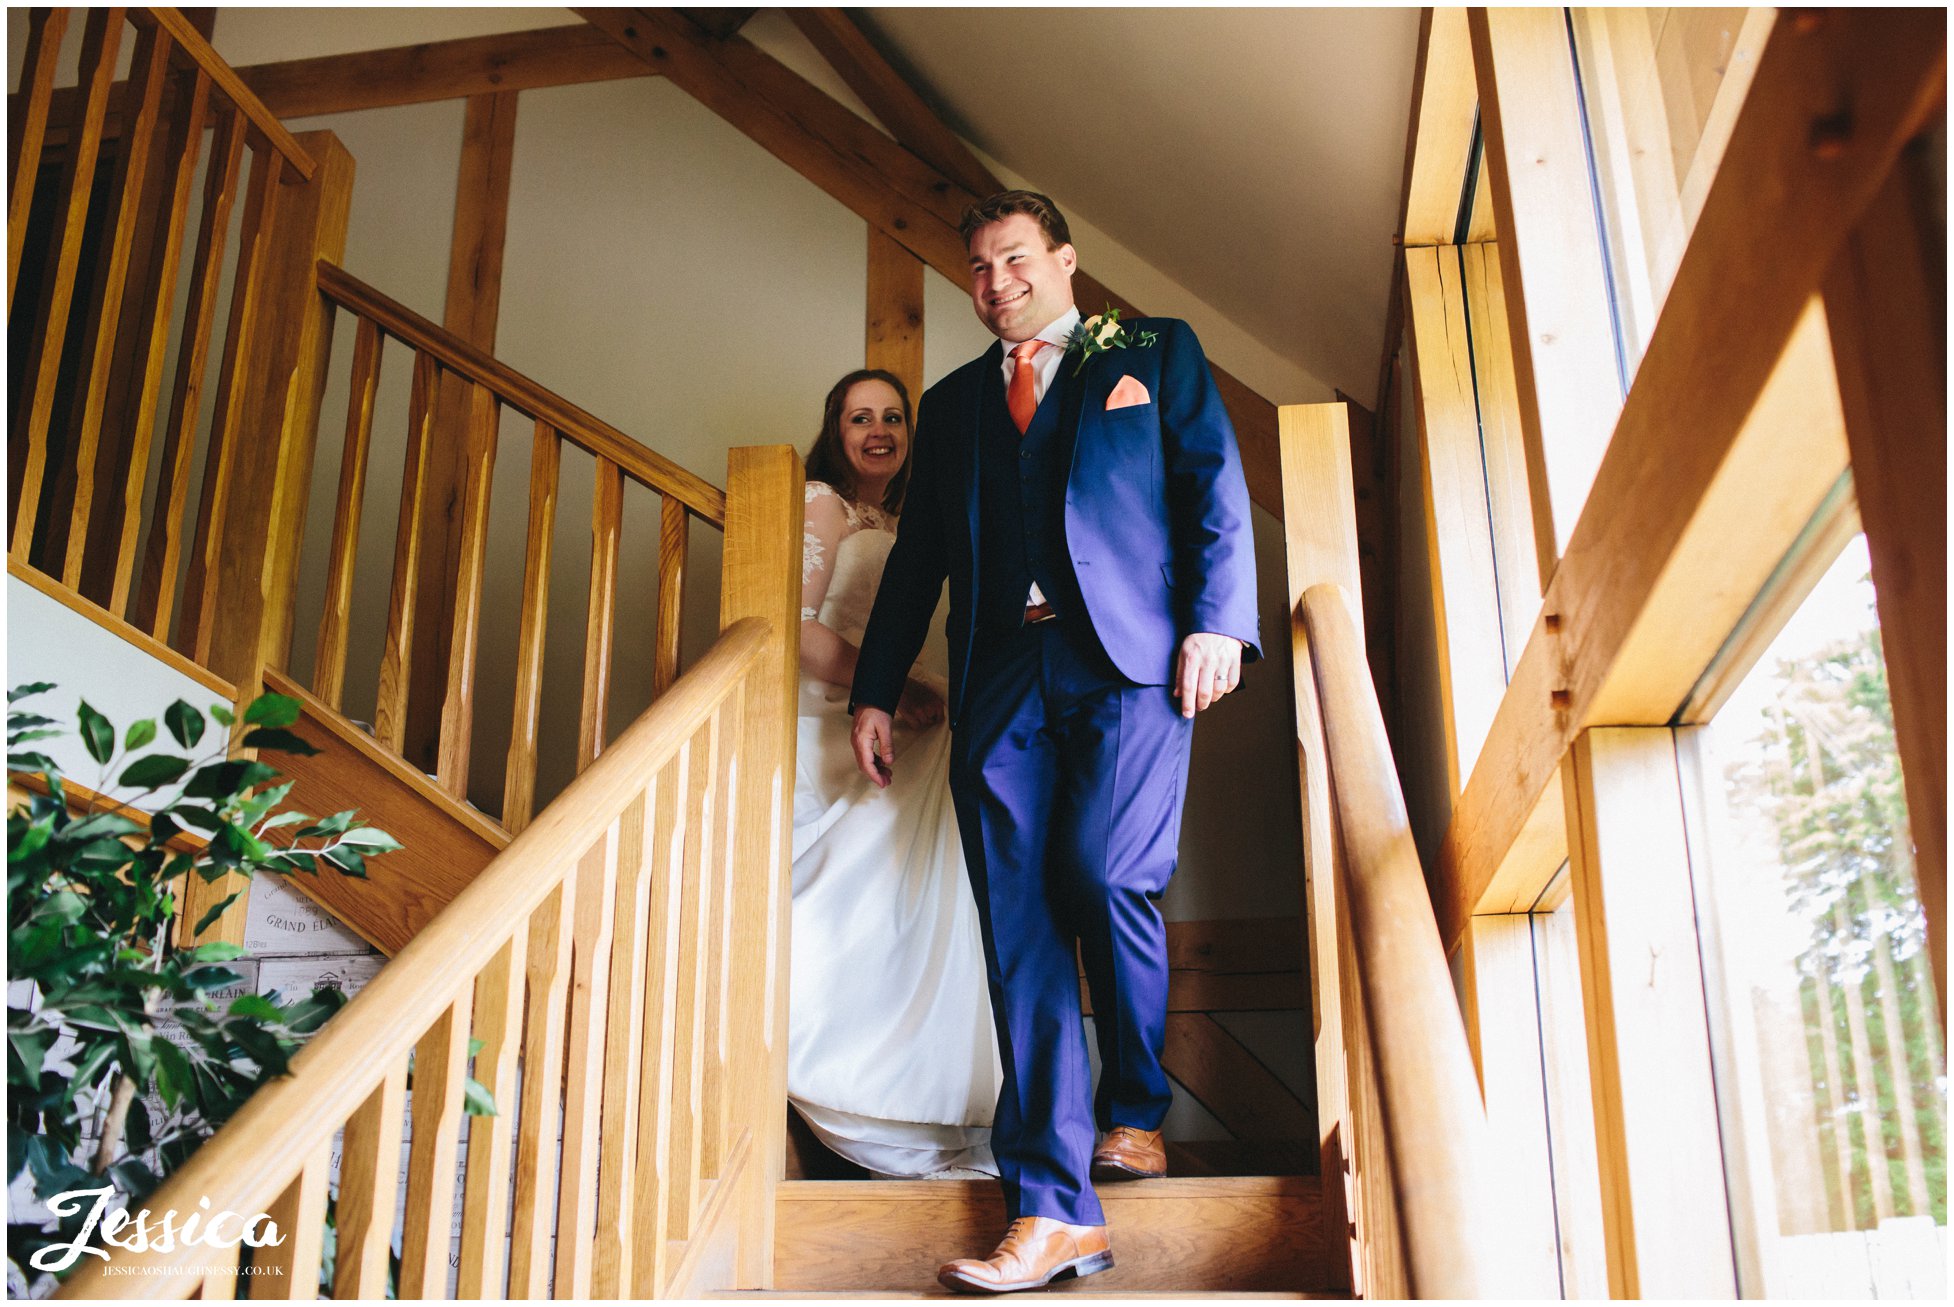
(261, 1156)
(1440, 1159)
(521, 393)
(225, 79)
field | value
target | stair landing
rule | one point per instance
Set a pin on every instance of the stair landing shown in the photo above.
(1233, 1235)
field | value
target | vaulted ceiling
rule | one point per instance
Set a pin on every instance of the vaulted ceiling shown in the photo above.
(1256, 156)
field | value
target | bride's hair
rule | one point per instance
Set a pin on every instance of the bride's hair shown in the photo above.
(828, 459)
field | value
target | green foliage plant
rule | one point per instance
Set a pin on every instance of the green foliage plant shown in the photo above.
(92, 902)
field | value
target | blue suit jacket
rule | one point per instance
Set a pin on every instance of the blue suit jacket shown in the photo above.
(1156, 517)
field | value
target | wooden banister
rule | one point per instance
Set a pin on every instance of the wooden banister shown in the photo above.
(1440, 1160)
(264, 122)
(423, 1002)
(524, 395)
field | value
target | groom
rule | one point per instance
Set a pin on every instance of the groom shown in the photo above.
(1090, 513)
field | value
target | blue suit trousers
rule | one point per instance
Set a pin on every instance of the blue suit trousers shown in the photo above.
(1068, 781)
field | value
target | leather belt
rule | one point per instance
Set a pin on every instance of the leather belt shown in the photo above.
(1035, 613)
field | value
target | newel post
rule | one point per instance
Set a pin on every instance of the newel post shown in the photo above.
(242, 623)
(760, 577)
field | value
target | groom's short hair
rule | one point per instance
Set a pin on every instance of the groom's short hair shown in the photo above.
(1006, 203)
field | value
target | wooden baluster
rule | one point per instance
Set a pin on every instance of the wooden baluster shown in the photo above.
(101, 38)
(607, 517)
(624, 1037)
(187, 143)
(546, 984)
(673, 538)
(440, 1067)
(390, 713)
(688, 1036)
(219, 1281)
(152, 65)
(156, 600)
(369, 1190)
(45, 28)
(458, 704)
(652, 1172)
(202, 583)
(519, 778)
(717, 878)
(335, 622)
(290, 1270)
(583, 1079)
(485, 1208)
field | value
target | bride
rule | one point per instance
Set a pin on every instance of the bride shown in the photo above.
(892, 1057)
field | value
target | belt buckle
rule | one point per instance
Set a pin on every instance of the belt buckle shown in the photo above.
(1036, 613)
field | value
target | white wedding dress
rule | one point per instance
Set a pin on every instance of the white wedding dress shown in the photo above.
(892, 1057)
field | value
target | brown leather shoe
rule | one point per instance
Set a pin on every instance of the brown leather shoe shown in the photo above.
(1036, 1250)
(1130, 1153)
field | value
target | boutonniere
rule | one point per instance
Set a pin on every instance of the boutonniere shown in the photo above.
(1102, 332)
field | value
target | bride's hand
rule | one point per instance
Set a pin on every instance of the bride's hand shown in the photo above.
(875, 752)
(920, 706)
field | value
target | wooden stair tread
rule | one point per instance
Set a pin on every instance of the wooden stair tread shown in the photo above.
(1196, 1236)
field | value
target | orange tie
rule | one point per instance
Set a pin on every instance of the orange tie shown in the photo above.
(1023, 397)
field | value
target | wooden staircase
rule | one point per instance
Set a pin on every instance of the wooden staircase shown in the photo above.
(631, 929)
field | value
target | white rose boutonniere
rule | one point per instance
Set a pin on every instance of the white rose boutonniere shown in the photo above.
(1102, 332)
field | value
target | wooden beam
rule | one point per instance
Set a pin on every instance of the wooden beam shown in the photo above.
(718, 23)
(895, 312)
(1231, 1082)
(1691, 481)
(1562, 337)
(910, 201)
(891, 98)
(1887, 312)
(1444, 98)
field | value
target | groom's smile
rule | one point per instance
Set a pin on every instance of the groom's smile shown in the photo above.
(1018, 283)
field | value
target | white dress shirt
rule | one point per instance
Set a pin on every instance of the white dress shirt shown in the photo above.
(1044, 366)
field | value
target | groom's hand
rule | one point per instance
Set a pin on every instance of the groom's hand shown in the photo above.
(874, 741)
(1210, 666)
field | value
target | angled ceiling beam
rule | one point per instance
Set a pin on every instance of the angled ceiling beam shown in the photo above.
(718, 23)
(887, 185)
(892, 99)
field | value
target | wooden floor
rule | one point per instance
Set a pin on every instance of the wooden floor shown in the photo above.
(1194, 1236)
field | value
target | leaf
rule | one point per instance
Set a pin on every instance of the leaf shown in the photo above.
(284, 741)
(29, 841)
(163, 828)
(203, 922)
(97, 734)
(333, 825)
(173, 1077)
(20, 692)
(186, 723)
(224, 781)
(25, 1051)
(476, 1100)
(139, 734)
(216, 952)
(347, 860)
(202, 818)
(103, 825)
(223, 714)
(211, 978)
(373, 841)
(155, 770)
(273, 710)
(256, 1005)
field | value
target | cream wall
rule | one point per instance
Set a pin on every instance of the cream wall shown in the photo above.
(676, 280)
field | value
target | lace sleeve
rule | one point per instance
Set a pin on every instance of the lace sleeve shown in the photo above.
(827, 523)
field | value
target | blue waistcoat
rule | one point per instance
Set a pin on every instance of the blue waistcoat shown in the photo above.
(1021, 509)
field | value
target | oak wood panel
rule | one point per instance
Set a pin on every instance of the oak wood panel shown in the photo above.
(27, 126)
(336, 615)
(674, 544)
(895, 310)
(1561, 337)
(445, 844)
(1231, 1082)
(146, 352)
(1212, 1234)
(519, 776)
(152, 58)
(522, 394)
(162, 554)
(498, 1011)
(440, 1068)
(600, 621)
(369, 1190)
(1888, 339)
(583, 1064)
(1666, 484)
(101, 37)
(397, 656)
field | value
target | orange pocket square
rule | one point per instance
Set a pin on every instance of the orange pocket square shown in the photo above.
(1127, 393)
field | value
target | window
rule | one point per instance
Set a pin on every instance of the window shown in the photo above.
(1831, 1074)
